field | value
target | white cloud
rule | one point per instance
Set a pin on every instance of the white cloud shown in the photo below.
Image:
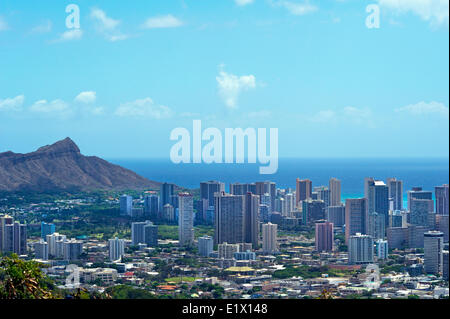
(3, 25)
(433, 11)
(243, 2)
(73, 34)
(103, 21)
(230, 87)
(44, 27)
(54, 108)
(296, 8)
(12, 104)
(86, 97)
(144, 108)
(168, 21)
(107, 26)
(347, 115)
(423, 108)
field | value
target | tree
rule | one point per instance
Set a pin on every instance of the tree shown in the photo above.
(20, 279)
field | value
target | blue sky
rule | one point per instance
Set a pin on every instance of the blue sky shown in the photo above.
(135, 71)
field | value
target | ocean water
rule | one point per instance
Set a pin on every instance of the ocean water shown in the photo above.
(415, 172)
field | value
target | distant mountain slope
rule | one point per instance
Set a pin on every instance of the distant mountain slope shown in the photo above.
(61, 166)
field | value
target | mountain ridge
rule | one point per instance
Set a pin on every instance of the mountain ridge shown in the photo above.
(62, 167)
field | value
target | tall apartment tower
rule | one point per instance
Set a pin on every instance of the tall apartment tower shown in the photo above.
(433, 258)
(324, 236)
(441, 194)
(303, 190)
(116, 249)
(151, 206)
(13, 236)
(360, 249)
(262, 188)
(378, 199)
(395, 193)
(229, 219)
(242, 189)
(186, 219)
(208, 189)
(126, 205)
(251, 230)
(166, 195)
(335, 192)
(356, 217)
(205, 246)
(138, 232)
(269, 234)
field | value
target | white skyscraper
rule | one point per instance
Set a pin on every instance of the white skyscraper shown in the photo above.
(382, 248)
(41, 250)
(269, 233)
(433, 258)
(116, 249)
(185, 219)
(360, 249)
(205, 246)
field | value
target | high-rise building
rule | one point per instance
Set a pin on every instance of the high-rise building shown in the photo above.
(205, 246)
(324, 236)
(312, 211)
(335, 192)
(55, 245)
(242, 189)
(4, 221)
(445, 265)
(433, 258)
(378, 199)
(323, 194)
(72, 249)
(208, 189)
(336, 215)
(303, 190)
(360, 249)
(420, 209)
(269, 188)
(138, 232)
(442, 200)
(356, 217)
(288, 205)
(367, 182)
(269, 234)
(116, 249)
(418, 193)
(185, 219)
(151, 235)
(168, 213)
(229, 218)
(382, 248)
(47, 229)
(395, 193)
(126, 205)
(151, 206)
(13, 236)
(166, 193)
(251, 220)
(442, 225)
(377, 226)
(41, 250)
